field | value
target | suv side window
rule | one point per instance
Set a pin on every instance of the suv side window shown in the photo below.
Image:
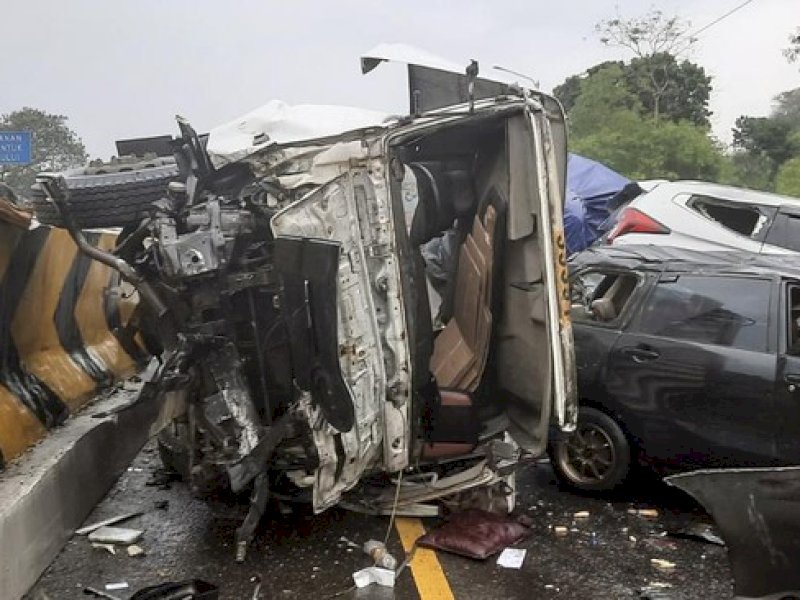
(728, 311)
(601, 297)
(793, 320)
(749, 220)
(785, 231)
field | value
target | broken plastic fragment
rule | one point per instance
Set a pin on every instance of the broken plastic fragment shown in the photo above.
(104, 522)
(511, 558)
(581, 514)
(109, 547)
(122, 585)
(370, 575)
(134, 550)
(115, 535)
(661, 563)
(560, 530)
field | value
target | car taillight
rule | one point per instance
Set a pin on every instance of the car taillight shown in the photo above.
(632, 220)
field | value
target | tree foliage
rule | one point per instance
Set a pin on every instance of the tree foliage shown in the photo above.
(777, 136)
(642, 148)
(655, 41)
(55, 146)
(788, 179)
(683, 87)
(648, 35)
(792, 53)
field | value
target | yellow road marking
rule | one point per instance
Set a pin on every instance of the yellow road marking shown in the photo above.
(425, 567)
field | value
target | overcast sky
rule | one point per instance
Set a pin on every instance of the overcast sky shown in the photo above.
(124, 69)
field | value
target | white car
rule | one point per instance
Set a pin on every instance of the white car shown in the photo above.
(708, 216)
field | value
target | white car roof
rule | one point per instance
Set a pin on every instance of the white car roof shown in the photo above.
(716, 190)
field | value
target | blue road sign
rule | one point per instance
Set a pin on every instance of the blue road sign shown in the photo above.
(15, 147)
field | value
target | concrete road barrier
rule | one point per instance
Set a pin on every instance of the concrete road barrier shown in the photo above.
(49, 491)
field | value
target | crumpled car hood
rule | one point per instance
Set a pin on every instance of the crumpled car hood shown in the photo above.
(278, 123)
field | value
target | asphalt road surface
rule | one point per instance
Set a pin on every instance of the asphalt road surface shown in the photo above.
(301, 555)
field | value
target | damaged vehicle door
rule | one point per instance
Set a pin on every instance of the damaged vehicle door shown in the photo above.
(309, 346)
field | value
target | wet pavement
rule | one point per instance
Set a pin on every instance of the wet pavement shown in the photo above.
(300, 555)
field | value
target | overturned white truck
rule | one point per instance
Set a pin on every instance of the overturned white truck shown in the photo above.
(307, 348)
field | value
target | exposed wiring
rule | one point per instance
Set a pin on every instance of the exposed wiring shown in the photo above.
(394, 508)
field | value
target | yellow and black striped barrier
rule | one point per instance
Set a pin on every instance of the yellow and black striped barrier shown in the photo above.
(64, 331)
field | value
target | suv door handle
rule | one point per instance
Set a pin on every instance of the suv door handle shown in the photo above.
(792, 378)
(641, 354)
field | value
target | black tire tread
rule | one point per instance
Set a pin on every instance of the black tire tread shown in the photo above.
(624, 450)
(109, 199)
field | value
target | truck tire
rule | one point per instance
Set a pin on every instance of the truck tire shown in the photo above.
(115, 196)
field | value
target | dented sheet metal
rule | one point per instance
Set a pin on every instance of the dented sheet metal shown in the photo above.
(757, 511)
(278, 123)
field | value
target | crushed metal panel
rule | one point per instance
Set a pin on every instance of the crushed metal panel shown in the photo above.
(279, 123)
(354, 210)
(757, 511)
(435, 82)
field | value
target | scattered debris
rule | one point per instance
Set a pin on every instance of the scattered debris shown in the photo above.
(663, 564)
(90, 591)
(108, 547)
(560, 530)
(162, 478)
(122, 585)
(655, 591)
(511, 558)
(195, 589)
(698, 532)
(370, 575)
(581, 514)
(350, 543)
(380, 555)
(257, 591)
(648, 513)
(110, 521)
(115, 535)
(632, 538)
(134, 550)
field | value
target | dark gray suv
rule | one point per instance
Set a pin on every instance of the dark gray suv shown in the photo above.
(685, 360)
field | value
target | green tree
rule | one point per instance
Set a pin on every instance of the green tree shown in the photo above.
(776, 136)
(642, 148)
(666, 88)
(602, 96)
(747, 170)
(792, 53)
(683, 93)
(569, 91)
(651, 38)
(55, 146)
(788, 179)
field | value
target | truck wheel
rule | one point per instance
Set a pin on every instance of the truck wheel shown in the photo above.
(596, 457)
(113, 195)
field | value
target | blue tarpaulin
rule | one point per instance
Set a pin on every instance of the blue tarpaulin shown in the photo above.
(590, 185)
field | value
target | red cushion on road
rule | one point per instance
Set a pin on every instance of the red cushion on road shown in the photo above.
(474, 533)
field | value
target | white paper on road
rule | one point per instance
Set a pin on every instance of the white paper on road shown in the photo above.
(511, 558)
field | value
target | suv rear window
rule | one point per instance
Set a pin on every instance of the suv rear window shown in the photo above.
(745, 219)
(785, 232)
(728, 311)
